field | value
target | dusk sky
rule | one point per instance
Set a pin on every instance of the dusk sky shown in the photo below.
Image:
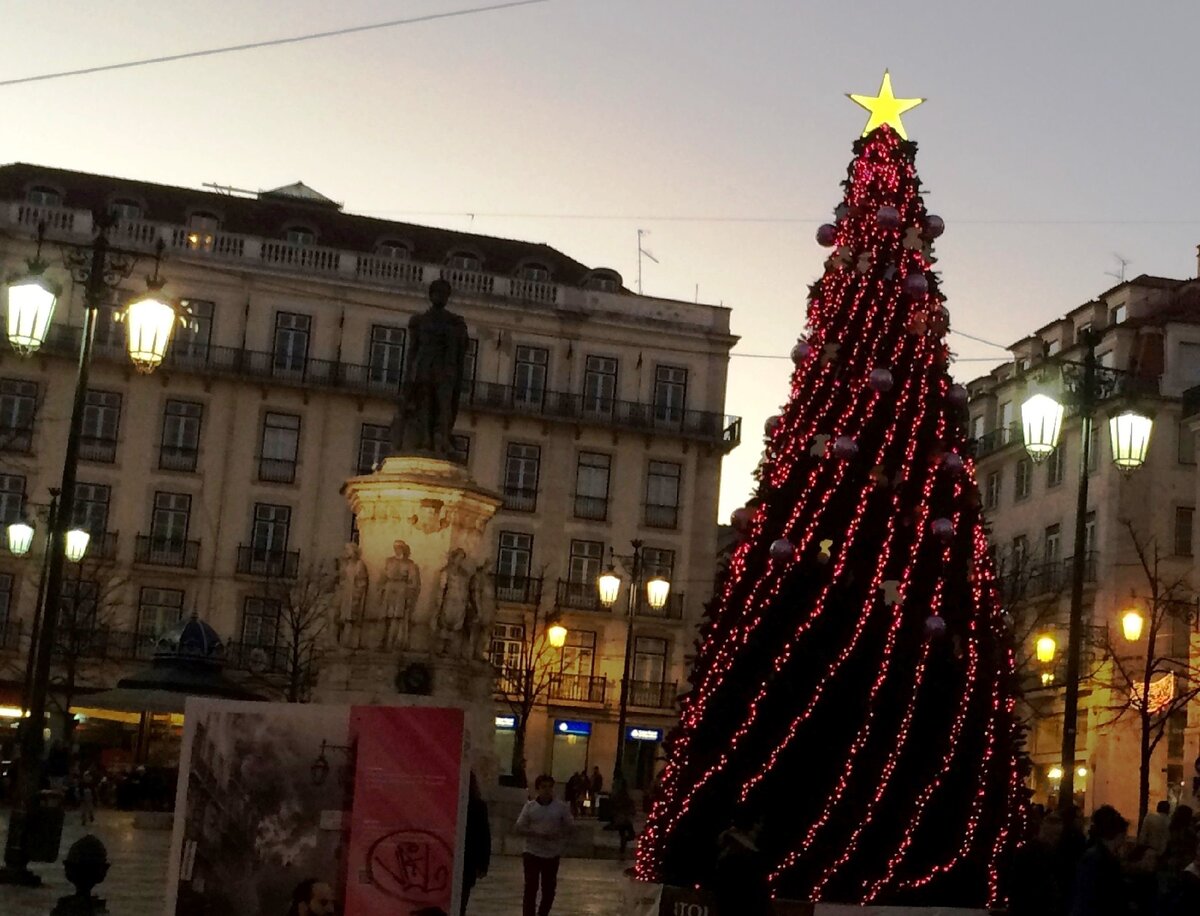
(1055, 135)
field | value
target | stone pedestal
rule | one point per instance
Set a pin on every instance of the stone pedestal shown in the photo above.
(435, 508)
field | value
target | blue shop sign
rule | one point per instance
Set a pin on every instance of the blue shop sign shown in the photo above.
(572, 727)
(506, 723)
(636, 733)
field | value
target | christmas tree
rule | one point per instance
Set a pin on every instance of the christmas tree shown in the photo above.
(854, 681)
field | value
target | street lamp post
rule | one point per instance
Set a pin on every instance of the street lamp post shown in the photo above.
(657, 590)
(1041, 418)
(31, 302)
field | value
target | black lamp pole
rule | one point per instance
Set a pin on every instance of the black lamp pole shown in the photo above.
(30, 663)
(635, 572)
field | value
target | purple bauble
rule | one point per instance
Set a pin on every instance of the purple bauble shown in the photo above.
(887, 217)
(942, 528)
(772, 424)
(782, 549)
(801, 351)
(845, 448)
(741, 518)
(916, 285)
(957, 396)
(934, 226)
(826, 235)
(880, 380)
(953, 463)
(934, 625)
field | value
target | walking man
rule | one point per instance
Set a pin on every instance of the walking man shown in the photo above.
(546, 824)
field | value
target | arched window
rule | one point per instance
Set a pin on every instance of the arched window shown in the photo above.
(125, 209)
(42, 196)
(464, 260)
(202, 230)
(604, 280)
(393, 248)
(535, 271)
(299, 235)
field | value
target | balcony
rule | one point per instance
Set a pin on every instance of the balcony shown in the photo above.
(159, 551)
(653, 694)
(276, 470)
(661, 516)
(520, 499)
(98, 448)
(517, 589)
(100, 644)
(1035, 580)
(577, 688)
(18, 438)
(271, 564)
(593, 508)
(178, 458)
(579, 596)
(672, 610)
(102, 546)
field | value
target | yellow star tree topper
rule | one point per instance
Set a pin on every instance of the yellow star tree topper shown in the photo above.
(885, 108)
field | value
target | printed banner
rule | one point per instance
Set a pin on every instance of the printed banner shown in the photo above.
(366, 802)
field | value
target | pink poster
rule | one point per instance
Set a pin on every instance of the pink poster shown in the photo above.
(404, 819)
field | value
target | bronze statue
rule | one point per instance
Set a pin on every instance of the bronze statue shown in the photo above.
(433, 375)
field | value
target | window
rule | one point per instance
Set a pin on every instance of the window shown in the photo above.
(1006, 422)
(538, 273)
(992, 494)
(662, 494)
(514, 553)
(977, 427)
(18, 402)
(90, 511)
(12, 498)
(1117, 315)
(269, 532)
(583, 567)
(180, 446)
(1187, 444)
(77, 614)
(470, 363)
(41, 196)
(591, 486)
(577, 657)
(1053, 347)
(1089, 532)
(374, 443)
(1021, 490)
(658, 561)
(1107, 359)
(1093, 448)
(192, 339)
(599, 385)
(529, 376)
(291, 342)
(386, 357)
(299, 235)
(464, 260)
(460, 448)
(521, 467)
(158, 609)
(6, 587)
(1082, 331)
(1055, 464)
(124, 209)
(1183, 530)
(260, 622)
(1188, 369)
(101, 419)
(1018, 553)
(390, 248)
(1052, 544)
(172, 513)
(280, 444)
(670, 393)
(649, 660)
(507, 651)
(202, 227)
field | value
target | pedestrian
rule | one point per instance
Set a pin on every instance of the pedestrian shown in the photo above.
(1185, 898)
(478, 852)
(1181, 841)
(1037, 886)
(1099, 884)
(1070, 848)
(572, 794)
(87, 800)
(1155, 829)
(546, 824)
(739, 882)
(623, 811)
(597, 786)
(311, 897)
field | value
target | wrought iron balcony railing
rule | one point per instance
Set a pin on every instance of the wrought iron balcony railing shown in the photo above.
(160, 551)
(513, 589)
(653, 694)
(178, 457)
(579, 596)
(577, 688)
(593, 508)
(271, 564)
(520, 499)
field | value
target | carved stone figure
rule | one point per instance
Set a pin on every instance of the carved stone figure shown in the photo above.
(481, 611)
(429, 396)
(353, 579)
(454, 592)
(398, 596)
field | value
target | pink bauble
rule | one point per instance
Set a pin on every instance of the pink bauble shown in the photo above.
(942, 528)
(826, 235)
(916, 286)
(934, 226)
(781, 549)
(887, 217)
(880, 380)
(953, 463)
(772, 424)
(845, 448)
(957, 396)
(934, 625)
(801, 351)
(741, 517)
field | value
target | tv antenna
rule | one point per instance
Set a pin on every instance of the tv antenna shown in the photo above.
(642, 251)
(1119, 273)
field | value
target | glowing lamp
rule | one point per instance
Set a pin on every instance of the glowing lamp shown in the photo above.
(556, 634)
(1041, 421)
(77, 544)
(149, 320)
(1129, 433)
(1081, 772)
(1131, 625)
(1045, 648)
(1055, 773)
(31, 301)
(657, 590)
(1047, 678)
(20, 538)
(609, 586)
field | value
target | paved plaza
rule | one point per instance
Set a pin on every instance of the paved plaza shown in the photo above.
(137, 881)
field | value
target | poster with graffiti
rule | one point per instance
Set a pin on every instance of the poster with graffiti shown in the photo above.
(366, 802)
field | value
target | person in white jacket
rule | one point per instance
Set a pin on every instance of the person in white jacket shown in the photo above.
(546, 824)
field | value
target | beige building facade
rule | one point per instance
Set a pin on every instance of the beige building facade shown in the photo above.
(1150, 333)
(595, 413)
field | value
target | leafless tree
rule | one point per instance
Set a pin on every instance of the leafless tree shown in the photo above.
(304, 604)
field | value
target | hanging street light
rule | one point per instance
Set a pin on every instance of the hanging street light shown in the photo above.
(20, 538)
(1041, 420)
(1131, 625)
(77, 544)
(1045, 648)
(608, 585)
(1055, 773)
(1129, 433)
(657, 591)
(30, 307)
(556, 632)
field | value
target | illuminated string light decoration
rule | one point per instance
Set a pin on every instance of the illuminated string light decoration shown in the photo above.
(858, 689)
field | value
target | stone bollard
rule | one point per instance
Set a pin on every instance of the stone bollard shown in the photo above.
(86, 865)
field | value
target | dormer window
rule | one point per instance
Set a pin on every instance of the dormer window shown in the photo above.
(1117, 315)
(390, 248)
(299, 235)
(1053, 347)
(603, 280)
(42, 196)
(124, 209)
(464, 260)
(202, 228)
(538, 273)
